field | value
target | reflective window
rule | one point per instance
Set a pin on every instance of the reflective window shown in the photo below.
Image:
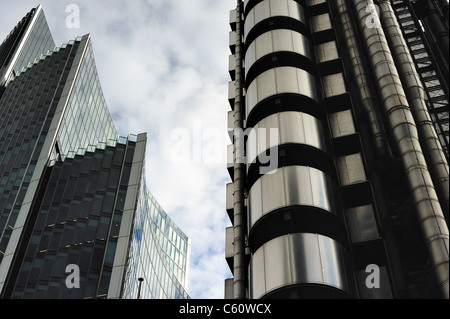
(160, 254)
(85, 122)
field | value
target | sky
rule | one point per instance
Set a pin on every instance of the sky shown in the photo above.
(163, 67)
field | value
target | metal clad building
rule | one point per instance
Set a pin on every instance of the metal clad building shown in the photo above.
(339, 124)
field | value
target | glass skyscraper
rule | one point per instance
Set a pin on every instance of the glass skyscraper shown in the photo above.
(72, 192)
(164, 266)
(26, 42)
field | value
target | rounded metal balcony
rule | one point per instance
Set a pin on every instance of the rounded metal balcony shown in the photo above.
(300, 265)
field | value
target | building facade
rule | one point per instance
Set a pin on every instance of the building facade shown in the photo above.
(26, 42)
(339, 124)
(72, 191)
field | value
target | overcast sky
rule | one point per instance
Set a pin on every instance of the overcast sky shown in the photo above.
(163, 66)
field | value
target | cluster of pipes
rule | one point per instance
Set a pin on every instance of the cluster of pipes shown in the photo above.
(403, 100)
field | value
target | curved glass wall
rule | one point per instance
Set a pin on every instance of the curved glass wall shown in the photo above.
(159, 253)
(86, 120)
(296, 259)
(35, 41)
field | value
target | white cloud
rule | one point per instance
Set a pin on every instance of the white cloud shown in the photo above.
(163, 66)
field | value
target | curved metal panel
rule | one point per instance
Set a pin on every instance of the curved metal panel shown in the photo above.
(295, 193)
(273, 8)
(290, 186)
(280, 40)
(289, 127)
(280, 80)
(321, 188)
(294, 259)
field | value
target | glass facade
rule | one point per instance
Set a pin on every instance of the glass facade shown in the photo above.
(27, 110)
(29, 39)
(37, 112)
(159, 253)
(76, 221)
(71, 191)
(86, 120)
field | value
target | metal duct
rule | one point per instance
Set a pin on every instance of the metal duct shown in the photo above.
(239, 170)
(415, 93)
(362, 81)
(405, 135)
(375, 123)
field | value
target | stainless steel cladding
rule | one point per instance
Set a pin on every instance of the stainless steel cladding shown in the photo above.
(338, 137)
(285, 264)
(277, 41)
(363, 81)
(437, 162)
(290, 128)
(283, 96)
(406, 137)
(290, 186)
(273, 8)
(280, 80)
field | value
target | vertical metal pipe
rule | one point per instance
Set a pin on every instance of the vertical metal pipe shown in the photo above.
(375, 128)
(415, 93)
(363, 82)
(140, 279)
(405, 135)
(239, 217)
